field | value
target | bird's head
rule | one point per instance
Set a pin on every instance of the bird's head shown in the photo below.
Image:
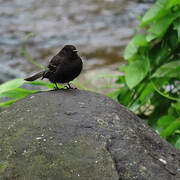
(69, 50)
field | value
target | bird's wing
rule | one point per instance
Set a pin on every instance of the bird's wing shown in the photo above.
(55, 61)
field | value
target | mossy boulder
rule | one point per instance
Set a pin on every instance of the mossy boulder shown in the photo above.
(75, 134)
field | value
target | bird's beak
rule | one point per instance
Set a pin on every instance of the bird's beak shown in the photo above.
(75, 50)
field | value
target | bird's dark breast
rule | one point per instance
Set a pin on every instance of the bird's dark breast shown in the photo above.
(67, 72)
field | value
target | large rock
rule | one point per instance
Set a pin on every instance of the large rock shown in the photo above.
(74, 134)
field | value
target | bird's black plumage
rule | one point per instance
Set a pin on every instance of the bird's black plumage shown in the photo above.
(63, 68)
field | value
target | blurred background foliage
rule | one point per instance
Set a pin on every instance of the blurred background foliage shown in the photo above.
(148, 83)
(151, 80)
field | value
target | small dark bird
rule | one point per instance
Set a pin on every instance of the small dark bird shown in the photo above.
(63, 68)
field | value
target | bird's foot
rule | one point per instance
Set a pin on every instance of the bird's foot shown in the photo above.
(68, 86)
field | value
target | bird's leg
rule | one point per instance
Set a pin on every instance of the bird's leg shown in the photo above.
(68, 86)
(56, 88)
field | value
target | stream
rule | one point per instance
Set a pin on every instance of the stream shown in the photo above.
(100, 29)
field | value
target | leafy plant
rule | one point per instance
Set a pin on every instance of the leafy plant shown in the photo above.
(12, 90)
(151, 80)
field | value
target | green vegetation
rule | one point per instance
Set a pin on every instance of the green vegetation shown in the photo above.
(12, 90)
(151, 80)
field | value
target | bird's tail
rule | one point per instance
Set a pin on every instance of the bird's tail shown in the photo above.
(35, 76)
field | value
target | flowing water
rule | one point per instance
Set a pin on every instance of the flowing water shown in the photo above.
(99, 29)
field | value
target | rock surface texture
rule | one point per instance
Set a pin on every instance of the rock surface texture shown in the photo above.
(80, 135)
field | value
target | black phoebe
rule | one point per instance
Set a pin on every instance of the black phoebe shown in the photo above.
(63, 68)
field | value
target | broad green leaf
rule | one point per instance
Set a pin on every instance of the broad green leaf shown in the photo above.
(42, 83)
(165, 121)
(175, 125)
(160, 26)
(17, 93)
(150, 37)
(124, 96)
(12, 84)
(157, 9)
(136, 71)
(138, 41)
(130, 50)
(171, 69)
(174, 3)
(147, 92)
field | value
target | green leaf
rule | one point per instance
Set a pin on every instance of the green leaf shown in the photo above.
(172, 38)
(160, 26)
(120, 80)
(158, 54)
(150, 37)
(7, 103)
(174, 110)
(124, 96)
(174, 3)
(177, 27)
(136, 71)
(113, 95)
(174, 138)
(170, 70)
(138, 41)
(165, 121)
(147, 92)
(42, 83)
(175, 125)
(156, 10)
(12, 84)
(17, 93)
(176, 106)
